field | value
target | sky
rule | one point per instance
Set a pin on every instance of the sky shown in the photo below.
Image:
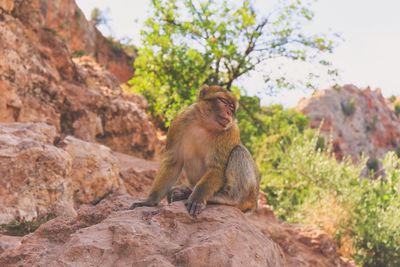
(369, 54)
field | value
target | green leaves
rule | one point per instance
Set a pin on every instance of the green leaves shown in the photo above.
(190, 42)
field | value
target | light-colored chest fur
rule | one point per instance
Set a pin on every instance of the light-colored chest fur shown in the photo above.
(195, 150)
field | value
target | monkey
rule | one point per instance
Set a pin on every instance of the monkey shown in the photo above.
(204, 142)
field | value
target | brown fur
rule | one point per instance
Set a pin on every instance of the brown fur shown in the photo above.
(204, 141)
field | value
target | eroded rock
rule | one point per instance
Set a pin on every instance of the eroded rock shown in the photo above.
(359, 120)
(40, 82)
(33, 173)
(94, 173)
(161, 236)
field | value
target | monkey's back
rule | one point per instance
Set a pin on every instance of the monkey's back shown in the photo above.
(242, 178)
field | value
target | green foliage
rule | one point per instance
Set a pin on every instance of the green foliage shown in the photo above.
(78, 53)
(371, 127)
(349, 107)
(397, 109)
(124, 45)
(392, 99)
(376, 228)
(21, 227)
(372, 164)
(98, 17)
(305, 177)
(187, 43)
(272, 124)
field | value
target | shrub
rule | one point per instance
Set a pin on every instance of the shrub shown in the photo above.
(20, 227)
(397, 109)
(308, 185)
(348, 108)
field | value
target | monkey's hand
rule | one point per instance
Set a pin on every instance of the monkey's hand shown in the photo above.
(194, 207)
(145, 203)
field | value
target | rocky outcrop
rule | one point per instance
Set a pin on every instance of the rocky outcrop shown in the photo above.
(110, 235)
(42, 173)
(359, 120)
(9, 242)
(82, 37)
(33, 173)
(40, 82)
(94, 171)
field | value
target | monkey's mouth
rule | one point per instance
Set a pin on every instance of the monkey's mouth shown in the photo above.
(223, 121)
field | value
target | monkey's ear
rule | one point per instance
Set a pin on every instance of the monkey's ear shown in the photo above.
(203, 91)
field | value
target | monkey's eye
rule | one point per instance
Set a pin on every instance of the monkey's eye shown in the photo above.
(223, 100)
(227, 103)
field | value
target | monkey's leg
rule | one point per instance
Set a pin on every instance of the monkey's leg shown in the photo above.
(241, 187)
(166, 177)
(223, 199)
(178, 193)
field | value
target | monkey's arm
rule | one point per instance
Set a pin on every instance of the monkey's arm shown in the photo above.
(166, 177)
(207, 186)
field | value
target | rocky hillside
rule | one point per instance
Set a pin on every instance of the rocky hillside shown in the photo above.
(40, 82)
(68, 140)
(357, 120)
(82, 37)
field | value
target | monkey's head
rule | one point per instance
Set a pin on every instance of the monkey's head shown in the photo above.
(218, 107)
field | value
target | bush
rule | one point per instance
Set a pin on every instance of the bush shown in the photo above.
(348, 108)
(397, 109)
(21, 227)
(308, 185)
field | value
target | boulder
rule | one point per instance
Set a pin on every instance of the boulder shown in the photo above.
(95, 172)
(33, 173)
(161, 236)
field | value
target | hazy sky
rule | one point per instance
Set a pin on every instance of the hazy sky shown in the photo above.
(369, 54)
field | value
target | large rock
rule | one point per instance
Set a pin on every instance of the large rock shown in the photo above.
(165, 236)
(359, 120)
(33, 173)
(303, 246)
(110, 235)
(95, 171)
(39, 82)
(41, 174)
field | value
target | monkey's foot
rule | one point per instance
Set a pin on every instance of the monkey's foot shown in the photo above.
(194, 207)
(146, 203)
(178, 193)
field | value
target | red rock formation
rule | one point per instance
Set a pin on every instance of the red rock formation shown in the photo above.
(110, 235)
(39, 82)
(82, 37)
(371, 128)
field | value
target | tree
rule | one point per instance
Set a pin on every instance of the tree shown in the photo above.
(187, 43)
(98, 17)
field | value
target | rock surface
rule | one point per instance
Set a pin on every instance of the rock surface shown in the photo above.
(165, 236)
(40, 82)
(359, 120)
(33, 173)
(38, 177)
(82, 36)
(110, 235)
(94, 171)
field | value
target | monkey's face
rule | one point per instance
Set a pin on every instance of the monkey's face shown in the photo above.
(224, 111)
(220, 106)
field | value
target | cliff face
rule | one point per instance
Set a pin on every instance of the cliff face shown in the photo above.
(82, 37)
(359, 120)
(40, 82)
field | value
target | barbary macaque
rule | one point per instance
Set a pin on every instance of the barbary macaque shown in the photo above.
(204, 141)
